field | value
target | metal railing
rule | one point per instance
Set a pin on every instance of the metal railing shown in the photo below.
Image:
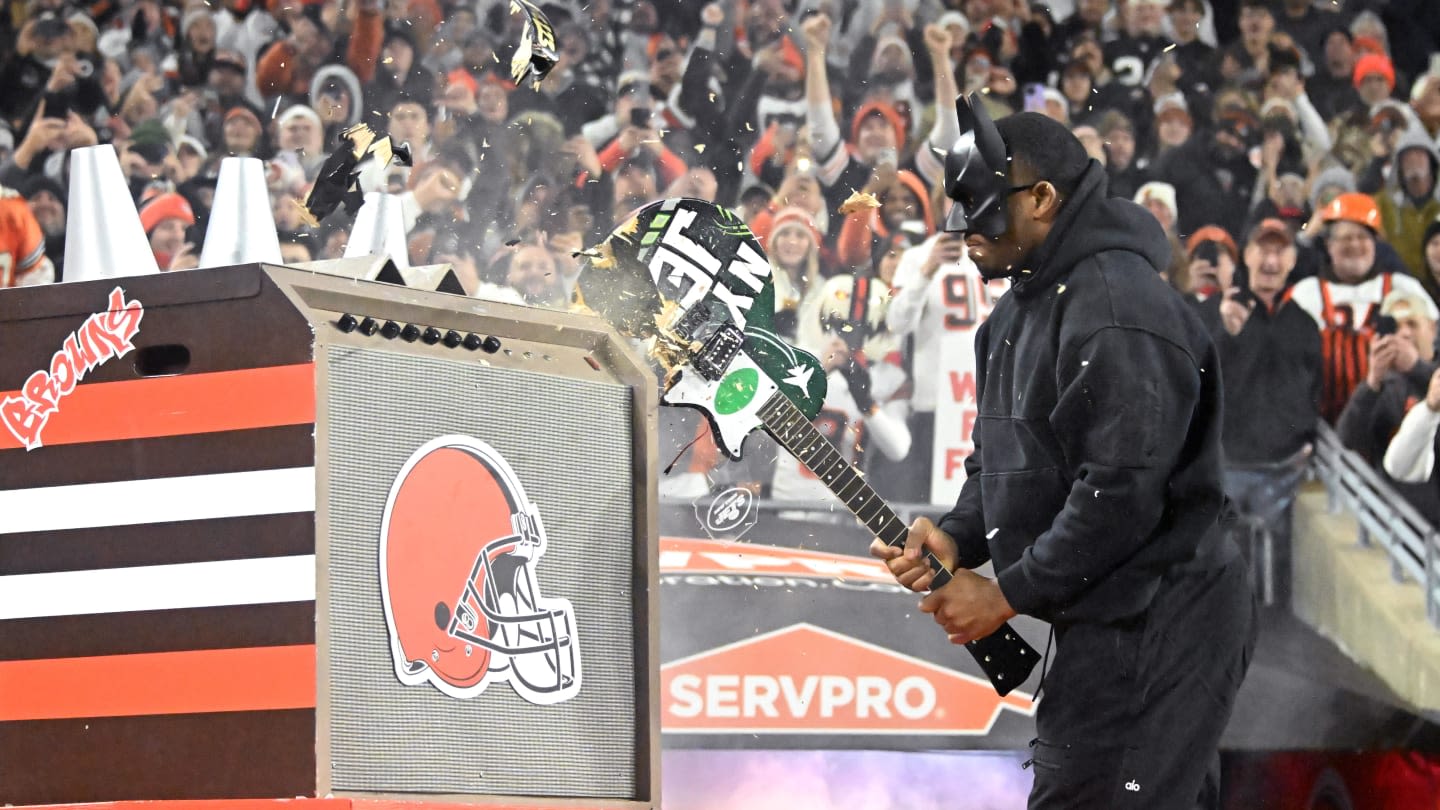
(1258, 542)
(1385, 518)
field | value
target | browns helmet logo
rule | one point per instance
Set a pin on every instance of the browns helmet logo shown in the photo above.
(459, 542)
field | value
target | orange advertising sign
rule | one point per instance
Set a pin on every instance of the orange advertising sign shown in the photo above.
(804, 679)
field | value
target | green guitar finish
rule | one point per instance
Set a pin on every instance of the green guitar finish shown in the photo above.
(623, 290)
(781, 361)
(737, 390)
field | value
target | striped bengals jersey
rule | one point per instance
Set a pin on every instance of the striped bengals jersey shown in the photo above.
(22, 244)
(1346, 315)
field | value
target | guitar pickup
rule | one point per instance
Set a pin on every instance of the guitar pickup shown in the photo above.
(718, 352)
(690, 324)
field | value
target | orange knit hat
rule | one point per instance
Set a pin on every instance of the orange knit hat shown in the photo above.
(167, 205)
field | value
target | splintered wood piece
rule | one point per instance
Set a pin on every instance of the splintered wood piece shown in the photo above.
(381, 151)
(859, 201)
(520, 62)
(602, 256)
(360, 137)
(305, 215)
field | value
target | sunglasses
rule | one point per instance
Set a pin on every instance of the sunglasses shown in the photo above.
(663, 54)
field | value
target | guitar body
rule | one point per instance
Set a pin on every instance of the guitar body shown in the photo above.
(731, 403)
(705, 261)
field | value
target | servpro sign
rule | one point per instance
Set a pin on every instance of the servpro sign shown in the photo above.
(804, 679)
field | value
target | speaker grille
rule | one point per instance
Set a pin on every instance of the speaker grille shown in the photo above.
(570, 443)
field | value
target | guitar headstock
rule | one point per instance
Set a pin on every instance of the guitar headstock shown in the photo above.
(690, 278)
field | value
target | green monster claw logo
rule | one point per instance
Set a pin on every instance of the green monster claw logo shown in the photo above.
(732, 225)
(736, 390)
(694, 254)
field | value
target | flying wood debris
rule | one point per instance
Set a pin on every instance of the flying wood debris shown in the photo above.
(859, 201)
(338, 181)
(602, 256)
(666, 348)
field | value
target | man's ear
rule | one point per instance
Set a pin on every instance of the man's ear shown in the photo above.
(1047, 201)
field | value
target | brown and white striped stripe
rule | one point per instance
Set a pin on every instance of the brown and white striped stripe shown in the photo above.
(157, 590)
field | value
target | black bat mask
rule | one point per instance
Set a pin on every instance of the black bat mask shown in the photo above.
(976, 172)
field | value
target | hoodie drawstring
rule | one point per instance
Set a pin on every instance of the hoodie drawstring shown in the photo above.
(1044, 665)
(1044, 668)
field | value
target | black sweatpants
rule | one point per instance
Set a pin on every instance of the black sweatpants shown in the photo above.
(1131, 713)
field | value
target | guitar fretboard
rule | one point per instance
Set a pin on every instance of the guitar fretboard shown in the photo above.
(1003, 655)
(796, 433)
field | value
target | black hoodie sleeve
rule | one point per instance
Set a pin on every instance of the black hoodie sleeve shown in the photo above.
(920, 58)
(1372, 179)
(854, 82)
(965, 523)
(1371, 417)
(695, 96)
(1418, 378)
(1035, 59)
(13, 176)
(1125, 397)
(1356, 426)
(742, 107)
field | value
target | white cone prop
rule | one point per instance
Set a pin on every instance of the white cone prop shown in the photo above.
(380, 230)
(242, 226)
(103, 237)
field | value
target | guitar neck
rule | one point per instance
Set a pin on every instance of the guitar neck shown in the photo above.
(1003, 656)
(796, 433)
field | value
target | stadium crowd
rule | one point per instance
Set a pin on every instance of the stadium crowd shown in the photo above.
(1289, 148)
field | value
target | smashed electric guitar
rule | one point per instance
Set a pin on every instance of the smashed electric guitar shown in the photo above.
(690, 276)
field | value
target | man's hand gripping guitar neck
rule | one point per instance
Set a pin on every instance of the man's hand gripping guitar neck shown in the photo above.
(969, 607)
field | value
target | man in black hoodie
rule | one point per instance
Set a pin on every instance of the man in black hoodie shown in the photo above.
(1096, 485)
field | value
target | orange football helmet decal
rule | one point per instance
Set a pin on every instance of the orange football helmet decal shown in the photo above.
(459, 542)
